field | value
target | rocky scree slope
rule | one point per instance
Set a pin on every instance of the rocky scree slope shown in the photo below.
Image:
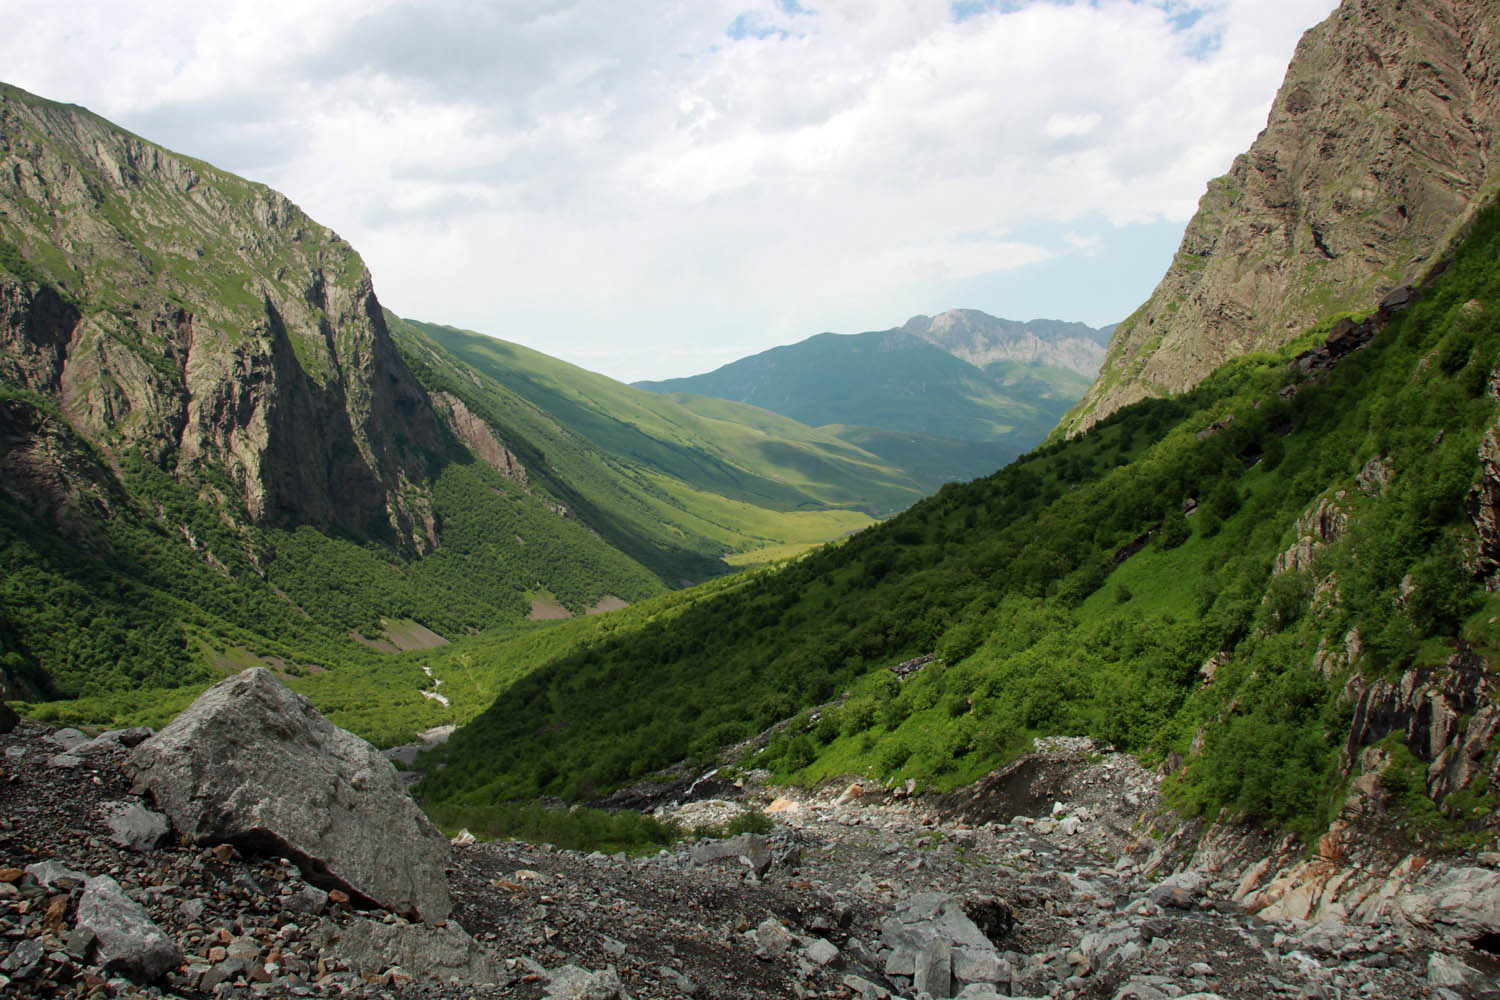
(1378, 147)
(1035, 883)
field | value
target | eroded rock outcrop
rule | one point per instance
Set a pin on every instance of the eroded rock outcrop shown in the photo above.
(1324, 522)
(1378, 146)
(477, 435)
(281, 374)
(253, 764)
(1484, 509)
(1447, 720)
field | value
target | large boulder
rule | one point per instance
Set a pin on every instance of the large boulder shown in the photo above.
(930, 938)
(446, 954)
(253, 764)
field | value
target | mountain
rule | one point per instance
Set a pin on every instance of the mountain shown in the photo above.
(945, 397)
(738, 452)
(984, 340)
(219, 450)
(1277, 587)
(169, 309)
(1205, 578)
(1376, 153)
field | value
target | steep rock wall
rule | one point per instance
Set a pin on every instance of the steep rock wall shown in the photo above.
(1378, 146)
(170, 307)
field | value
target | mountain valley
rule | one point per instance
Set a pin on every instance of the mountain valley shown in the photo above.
(221, 450)
(912, 662)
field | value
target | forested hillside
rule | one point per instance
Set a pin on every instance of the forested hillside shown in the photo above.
(1196, 576)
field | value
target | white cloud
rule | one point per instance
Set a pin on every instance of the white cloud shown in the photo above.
(627, 183)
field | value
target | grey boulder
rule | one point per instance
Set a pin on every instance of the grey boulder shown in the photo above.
(253, 764)
(751, 849)
(573, 982)
(445, 954)
(115, 739)
(932, 939)
(127, 940)
(66, 740)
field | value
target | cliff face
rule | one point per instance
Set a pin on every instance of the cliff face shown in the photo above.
(168, 307)
(981, 340)
(1377, 148)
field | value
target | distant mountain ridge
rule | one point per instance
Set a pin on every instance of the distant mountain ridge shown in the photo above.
(937, 385)
(982, 339)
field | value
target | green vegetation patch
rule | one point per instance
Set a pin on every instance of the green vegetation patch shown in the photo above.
(1084, 589)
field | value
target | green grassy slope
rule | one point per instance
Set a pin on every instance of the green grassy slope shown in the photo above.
(929, 459)
(1025, 584)
(894, 381)
(738, 452)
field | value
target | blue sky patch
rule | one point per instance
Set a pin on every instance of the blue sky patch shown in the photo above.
(754, 24)
(767, 24)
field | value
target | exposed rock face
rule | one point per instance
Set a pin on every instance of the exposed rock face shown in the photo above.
(1325, 522)
(253, 764)
(982, 339)
(280, 373)
(477, 435)
(1448, 719)
(1377, 147)
(1484, 508)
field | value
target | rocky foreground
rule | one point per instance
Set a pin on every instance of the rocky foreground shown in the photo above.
(854, 894)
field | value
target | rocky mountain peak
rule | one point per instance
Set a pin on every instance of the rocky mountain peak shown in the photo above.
(982, 339)
(1377, 148)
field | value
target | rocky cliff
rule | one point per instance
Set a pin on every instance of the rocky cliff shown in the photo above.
(982, 339)
(163, 306)
(1378, 146)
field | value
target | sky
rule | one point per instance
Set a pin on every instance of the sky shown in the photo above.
(653, 188)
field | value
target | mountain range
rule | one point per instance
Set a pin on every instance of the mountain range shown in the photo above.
(1264, 564)
(955, 395)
